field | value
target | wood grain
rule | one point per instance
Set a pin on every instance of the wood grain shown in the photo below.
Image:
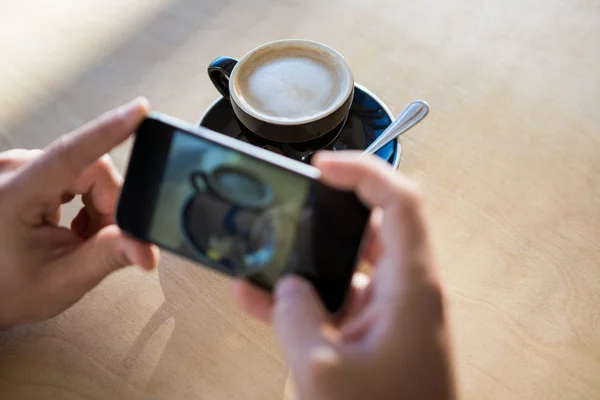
(509, 160)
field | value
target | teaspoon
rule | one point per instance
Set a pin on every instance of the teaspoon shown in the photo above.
(412, 115)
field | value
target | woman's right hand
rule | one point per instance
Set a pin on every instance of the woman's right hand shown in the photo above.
(393, 340)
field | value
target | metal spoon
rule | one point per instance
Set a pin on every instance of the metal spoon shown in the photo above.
(412, 115)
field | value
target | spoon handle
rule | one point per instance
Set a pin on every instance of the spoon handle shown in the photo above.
(412, 114)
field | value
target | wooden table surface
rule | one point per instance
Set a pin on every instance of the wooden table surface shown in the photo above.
(509, 159)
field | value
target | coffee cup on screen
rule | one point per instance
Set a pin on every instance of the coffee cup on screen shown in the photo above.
(287, 91)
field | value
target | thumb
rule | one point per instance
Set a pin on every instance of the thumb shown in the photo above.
(300, 321)
(107, 251)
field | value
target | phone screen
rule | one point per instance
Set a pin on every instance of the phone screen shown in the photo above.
(239, 214)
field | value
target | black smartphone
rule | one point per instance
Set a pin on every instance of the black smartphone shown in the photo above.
(239, 209)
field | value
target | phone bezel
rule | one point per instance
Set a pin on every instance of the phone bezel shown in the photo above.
(253, 151)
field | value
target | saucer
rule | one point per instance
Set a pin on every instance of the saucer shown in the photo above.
(368, 118)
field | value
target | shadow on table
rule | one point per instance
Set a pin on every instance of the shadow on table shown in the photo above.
(212, 343)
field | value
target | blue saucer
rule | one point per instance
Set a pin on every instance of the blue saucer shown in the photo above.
(368, 118)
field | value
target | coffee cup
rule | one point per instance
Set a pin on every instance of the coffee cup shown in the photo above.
(287, 91)
(229, 201)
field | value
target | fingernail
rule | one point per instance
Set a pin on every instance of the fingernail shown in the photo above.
(325, 356)
(148, 267)
(322, 157)
(129, 253)
(323, 154)
(290, 286)
(133, 107)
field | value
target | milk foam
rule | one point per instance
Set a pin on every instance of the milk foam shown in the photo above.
(290, 86)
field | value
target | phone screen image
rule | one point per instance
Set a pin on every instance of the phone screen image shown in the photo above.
(239, 214)
(232, 211)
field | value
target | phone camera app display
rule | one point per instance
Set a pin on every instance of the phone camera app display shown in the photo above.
(235, 212)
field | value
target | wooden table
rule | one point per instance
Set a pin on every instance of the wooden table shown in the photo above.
(509, 159)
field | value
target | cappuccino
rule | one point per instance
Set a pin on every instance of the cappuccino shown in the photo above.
(292, 84)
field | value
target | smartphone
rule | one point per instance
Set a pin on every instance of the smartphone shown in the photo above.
(239, 209)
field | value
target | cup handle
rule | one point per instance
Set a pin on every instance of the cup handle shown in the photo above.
(194, 181)
(219, 71)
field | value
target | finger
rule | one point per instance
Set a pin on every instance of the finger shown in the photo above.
(109, 250)
(100, 185)
(374, 180)
(101, 182)
(65, 159)
(372, 243)
(301, 323)
(253, 300)
(358, 297)
(404, 257)
(378, 185)
(356, 328)
(54, 216)
(80, 224)
(14, 159)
